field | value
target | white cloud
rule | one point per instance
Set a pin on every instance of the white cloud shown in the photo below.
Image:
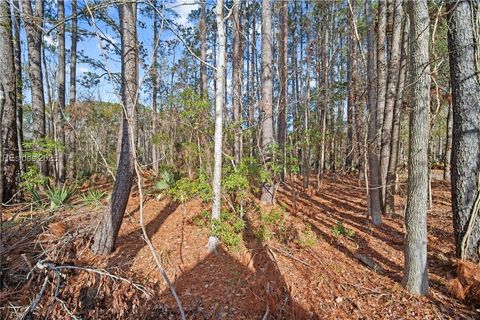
(183, 9)
(83, 69)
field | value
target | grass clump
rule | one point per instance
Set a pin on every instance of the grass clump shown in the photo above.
(93, 196)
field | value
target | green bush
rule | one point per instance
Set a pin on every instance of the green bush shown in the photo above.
(340, 230)
(167, 181)
(308, 238)
(228, 229)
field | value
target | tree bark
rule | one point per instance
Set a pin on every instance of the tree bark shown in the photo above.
(463, 44)
(19, 81)
(9, 143)
(237, 77)
(395, 134)
(266, 118)
(107, 232)
(381, 65)
(352, 82)
(375, 200)
(203, 50)
(60, 130)
(155, 82)
(33, 24)
(415, 274)
(72, 137)
(392, 80)
(283, 79)
(448, 145)
(213, 241)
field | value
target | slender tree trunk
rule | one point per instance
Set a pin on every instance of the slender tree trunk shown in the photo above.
(107, 232)
(33, 24)
(448, 144)
(9, 143)
(213, 241)
(19, 81)
(392, 80)
(203, 50)
(237, 77)
(251, 106)
(375, 201)
(381, 65)
(155, 82)
(306, 120)
(323, 117)
(463, 50)
(283, 90)
(352, 81)
(60, 130)
(415, 275)
(266, 118)
(72, 135)
(397, 115)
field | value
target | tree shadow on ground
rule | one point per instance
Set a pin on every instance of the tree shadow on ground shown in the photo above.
(129, 245)
(227, 288)
(322, 218)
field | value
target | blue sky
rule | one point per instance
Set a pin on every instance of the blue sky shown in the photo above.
(95, 48)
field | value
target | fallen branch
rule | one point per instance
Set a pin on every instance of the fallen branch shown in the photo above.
(369, 262)
(285, 253)
(47, 265)
(35, 301)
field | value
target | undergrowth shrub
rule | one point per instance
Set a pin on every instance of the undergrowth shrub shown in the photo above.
(93, 196)
(307, 238)
(59, 196)
(339, 229)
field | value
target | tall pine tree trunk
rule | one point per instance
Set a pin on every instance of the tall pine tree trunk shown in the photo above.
(415, 273)
(266, 118)
(72, 137)
(352, 82)
(9, 145)
(395, 134)
(448, 145)
(283, 90)
(237, 76)
(463, 49)
(155, 86)
(33, 24)
(203, 50)
(59, 127)
(392, 80)
(107, 232)
(17, 47)
(219, 107)
(375, 200)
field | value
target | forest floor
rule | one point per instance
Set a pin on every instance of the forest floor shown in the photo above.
(274, 279)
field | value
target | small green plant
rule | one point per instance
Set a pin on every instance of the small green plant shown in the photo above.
(271, 218)
(167, 181)
(31, 180)
(340, 230)
(263, 234)
(271, 225)
(59, 196)
(228, 229)
(93, 196)
(307, 239)
(202, 219)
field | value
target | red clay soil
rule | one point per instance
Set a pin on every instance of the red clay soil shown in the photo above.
(274, 280)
